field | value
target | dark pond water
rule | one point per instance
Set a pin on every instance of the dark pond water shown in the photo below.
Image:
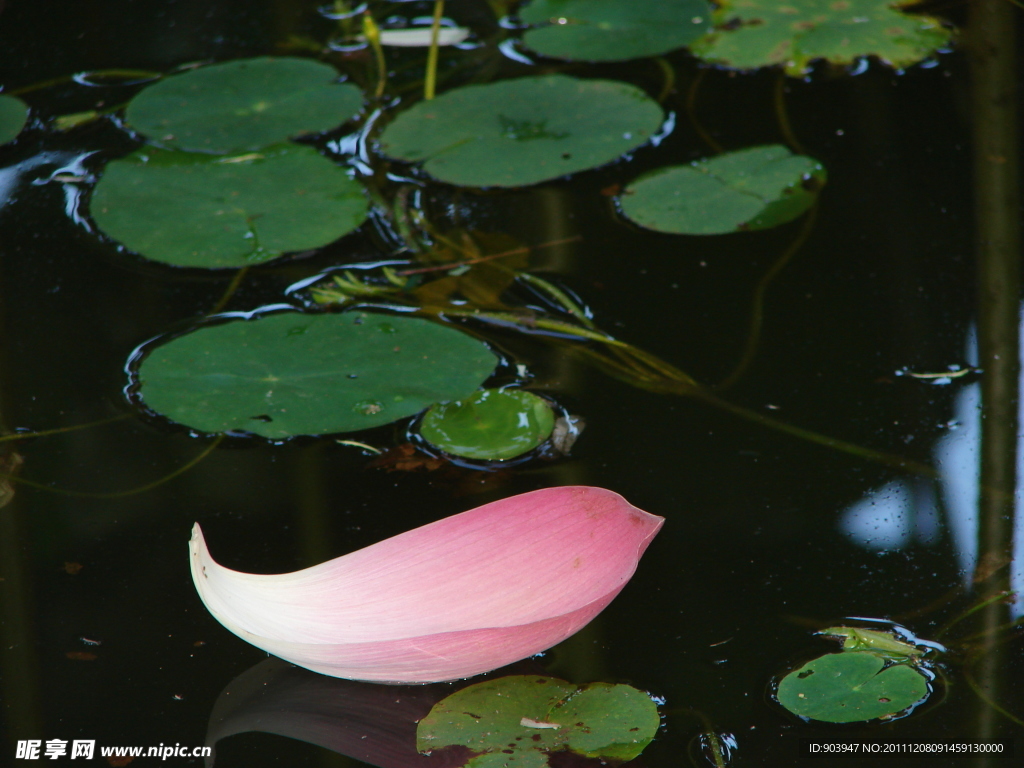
(768, 537)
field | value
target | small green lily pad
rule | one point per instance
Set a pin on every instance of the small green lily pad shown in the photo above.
(613, 30)
(753, 188)
(243, 105)
(291, 374)
(750, 34)
(851, 687)
(519, 720)
(522, 131)
(13, 116)
(195, 210)
(491, 424)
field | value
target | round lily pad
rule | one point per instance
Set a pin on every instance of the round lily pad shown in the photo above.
(243, 105)
(517, 132)
(291, 374)
(761, 33)
(754, 188)
(195, 210)
(520, 720)
(491, 424)
(851, 687)
(13, 116)
(613, 30)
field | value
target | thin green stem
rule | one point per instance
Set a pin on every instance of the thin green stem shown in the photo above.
(757, 303)
(971, 611)
(880, 457)
(372, 33)
(691, 113)
(131, 492)
(469, 262)
(670, 78)
(671, 380)
(236, 280)
(430, 81)
(126, 74)
(783, 116)
(969, 677)
(60, 430)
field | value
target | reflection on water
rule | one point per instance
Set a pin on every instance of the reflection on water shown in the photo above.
(897, 515)
(905, 512)
(373, 723)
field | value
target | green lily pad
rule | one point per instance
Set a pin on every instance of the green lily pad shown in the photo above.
(851, 687)
(519, 720)
(761, 33)
(523, 131)
(491, 424)
(243, 105)
(613, 30)
(754, 188)
(310, 374)
(200, 211)
(13, 116)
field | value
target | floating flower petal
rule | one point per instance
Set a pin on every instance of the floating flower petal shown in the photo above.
(451, 599)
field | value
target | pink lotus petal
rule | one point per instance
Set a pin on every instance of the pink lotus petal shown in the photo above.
(451, 599)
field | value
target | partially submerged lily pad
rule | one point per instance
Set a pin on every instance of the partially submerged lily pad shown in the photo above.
(613, 30)
(522, 131)
(490, 424)
(13, 116)
(243, 105)
(750, 34)
(879, 642)
(852, 687)
(200, 211)
(291, 374)
(520, 720)
(754, 188)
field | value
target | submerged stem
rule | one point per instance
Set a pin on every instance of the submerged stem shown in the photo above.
(691, 114)
(59, 430)
(783, 116)
(666, 378)
(970, 611)
(757, 303)
(989, 701)
(236, 280)
(670, 78)
(132, 491)
(127, 74)
(881, 457)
